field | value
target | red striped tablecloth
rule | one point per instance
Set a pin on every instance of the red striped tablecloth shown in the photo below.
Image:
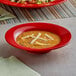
(64, 10)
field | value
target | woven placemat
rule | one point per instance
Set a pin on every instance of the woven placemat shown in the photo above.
(63, 10)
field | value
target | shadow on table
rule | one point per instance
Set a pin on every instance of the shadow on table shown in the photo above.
(30, 59)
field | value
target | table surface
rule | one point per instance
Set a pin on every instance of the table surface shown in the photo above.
(59, 62)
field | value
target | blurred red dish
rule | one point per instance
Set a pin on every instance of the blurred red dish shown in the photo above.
(7, 2)
(14, 32)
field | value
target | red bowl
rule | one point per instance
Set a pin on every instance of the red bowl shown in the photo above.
(12, 34)
(7, 2)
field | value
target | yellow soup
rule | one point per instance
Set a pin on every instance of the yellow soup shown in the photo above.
(38, 39)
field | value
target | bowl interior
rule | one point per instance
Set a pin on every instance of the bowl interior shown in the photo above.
(12, 34)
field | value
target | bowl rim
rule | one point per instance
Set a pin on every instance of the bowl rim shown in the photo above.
(32, 5)
(33, 49)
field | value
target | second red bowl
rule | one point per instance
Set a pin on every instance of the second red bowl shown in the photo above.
(12, 34)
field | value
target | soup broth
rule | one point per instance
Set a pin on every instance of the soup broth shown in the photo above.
(38, 39)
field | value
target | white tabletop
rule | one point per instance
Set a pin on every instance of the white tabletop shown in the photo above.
(59, 62)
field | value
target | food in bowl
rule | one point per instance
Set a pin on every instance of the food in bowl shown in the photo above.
(31, 1)
(38, 39)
